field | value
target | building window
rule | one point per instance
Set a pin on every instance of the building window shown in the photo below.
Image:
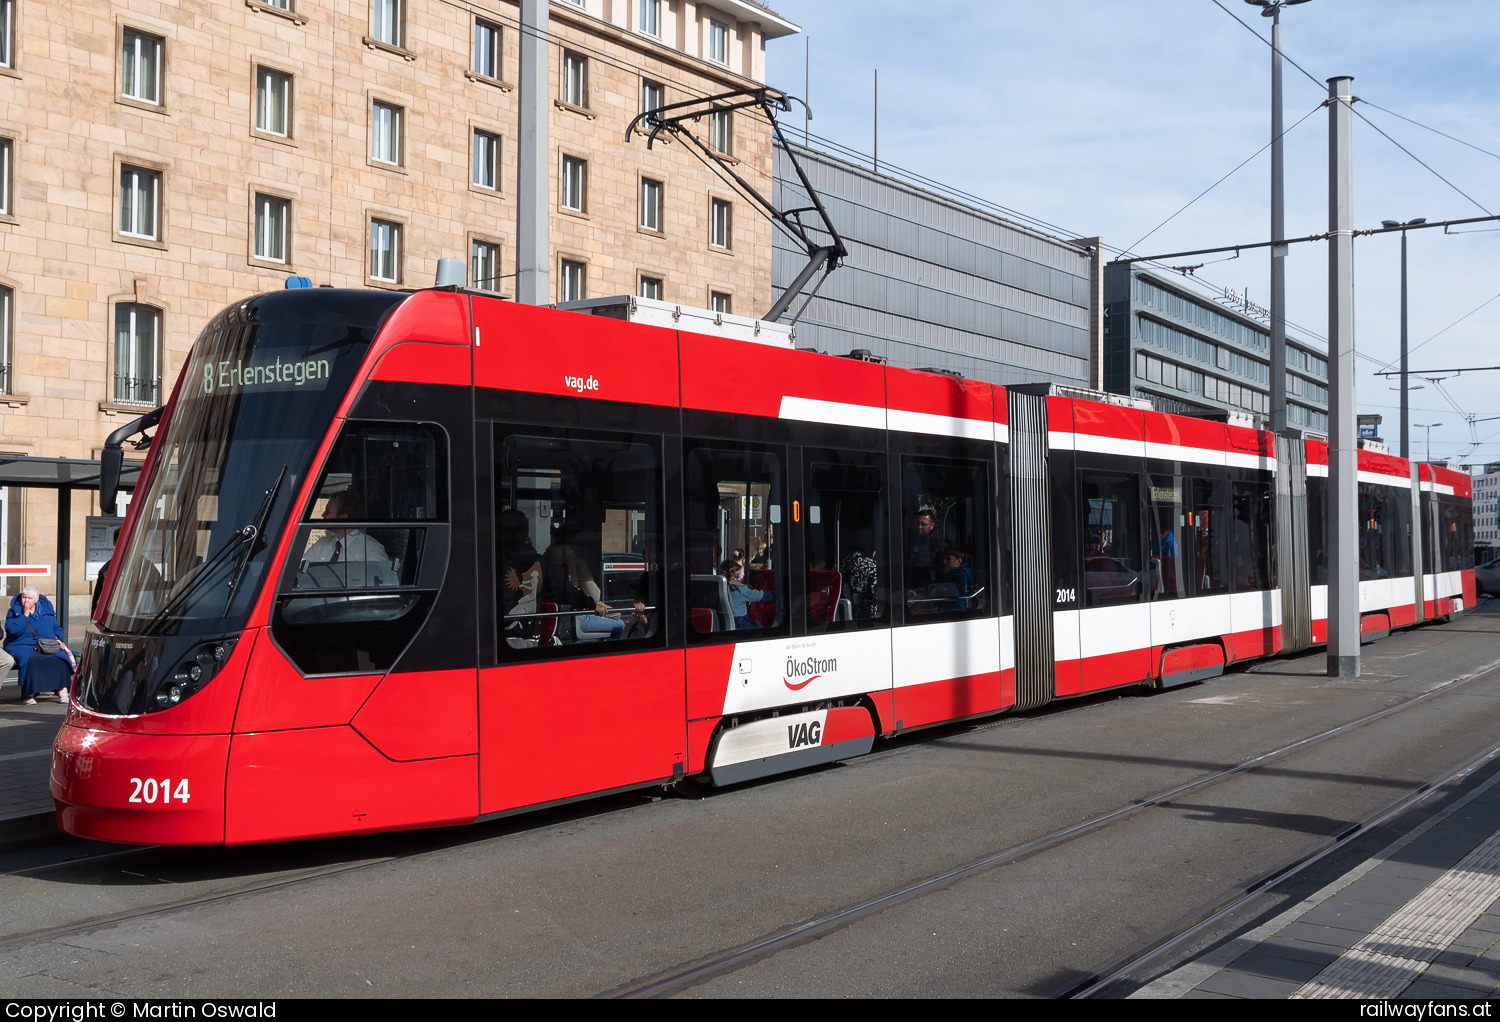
(273, 102)
(574, 184)
(140, 195)
(570, 281)
(720, 224)
(385, 133)
(575, 80)
(651, 17)
(653, 97)
(280, 5)
(7, 35)
(270, 228)
(651, 287)
(486, 49)
(137, 341)
(385, 251)
(484, 266)
(140, 68)
(7, 153)
(486, 160)
(718, 301)
(722, 137)
(6, 295)
(718, 42)
(650, 205)
(386, 18)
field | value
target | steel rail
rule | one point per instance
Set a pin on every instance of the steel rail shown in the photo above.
(692, 973)
(1169, 939)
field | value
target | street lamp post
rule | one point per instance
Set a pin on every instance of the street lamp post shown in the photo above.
(1405, 446)
(1272, 9)
(1428, 428)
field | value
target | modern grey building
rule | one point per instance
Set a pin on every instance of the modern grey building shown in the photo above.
(1486, 519)
(1188, 351)
(932, 281)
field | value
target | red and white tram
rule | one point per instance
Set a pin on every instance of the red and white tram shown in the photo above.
(415, 560)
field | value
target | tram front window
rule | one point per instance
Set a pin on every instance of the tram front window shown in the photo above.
(257, 395)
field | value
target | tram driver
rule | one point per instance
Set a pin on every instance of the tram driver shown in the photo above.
(362, 553)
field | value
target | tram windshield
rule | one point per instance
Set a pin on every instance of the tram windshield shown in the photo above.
(259, 391)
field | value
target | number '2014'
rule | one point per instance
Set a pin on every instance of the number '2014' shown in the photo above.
(151, 791)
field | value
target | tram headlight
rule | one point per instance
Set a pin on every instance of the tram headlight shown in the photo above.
(193, 672)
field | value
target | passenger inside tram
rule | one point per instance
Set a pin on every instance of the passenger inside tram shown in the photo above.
(570, 583)
(860, 574)
(520, 579)
(741, 595)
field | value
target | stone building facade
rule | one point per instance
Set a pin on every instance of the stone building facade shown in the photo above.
(160, 159)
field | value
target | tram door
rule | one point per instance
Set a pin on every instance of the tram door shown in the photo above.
(584, 697)
(1116, 619)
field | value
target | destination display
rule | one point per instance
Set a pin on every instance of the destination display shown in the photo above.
(278, 375)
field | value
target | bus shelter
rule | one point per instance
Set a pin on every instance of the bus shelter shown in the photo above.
(62, 475)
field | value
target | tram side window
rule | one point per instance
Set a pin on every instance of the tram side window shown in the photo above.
(1398, 514)
(1252, 537)
(1456, 533)
(735, 558)
(379, 474)
(1429, 513)
(947, 565)
(371, 550)
(1207, 533)
(1167, 538)
(1112, 570)
(1317, 536)
(848, 565)
(577, 544)
(1374, 534)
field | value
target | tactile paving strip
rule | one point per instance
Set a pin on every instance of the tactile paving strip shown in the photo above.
(1400, 949)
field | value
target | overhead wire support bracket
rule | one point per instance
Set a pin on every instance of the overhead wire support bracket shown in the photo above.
(1297, 241)
(673, 119)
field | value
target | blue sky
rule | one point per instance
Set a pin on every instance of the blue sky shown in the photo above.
(1104, 117)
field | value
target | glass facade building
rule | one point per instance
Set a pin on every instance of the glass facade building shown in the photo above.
(1191, 353)
(934, 282)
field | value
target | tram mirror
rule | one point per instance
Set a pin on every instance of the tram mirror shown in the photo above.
(111, 461)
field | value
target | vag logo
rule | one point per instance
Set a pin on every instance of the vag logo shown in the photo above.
(811, 669)
(809, 733)
(581, 383)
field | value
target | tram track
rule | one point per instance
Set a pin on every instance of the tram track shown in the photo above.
(693, 973)
(430, 842)
(1165, 942)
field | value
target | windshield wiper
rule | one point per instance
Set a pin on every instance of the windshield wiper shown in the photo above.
(190, 582)
(252, 533)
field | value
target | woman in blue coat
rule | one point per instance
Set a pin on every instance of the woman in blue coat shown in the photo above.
(30, 620)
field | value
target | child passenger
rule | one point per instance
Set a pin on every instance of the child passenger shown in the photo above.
(741, 595)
